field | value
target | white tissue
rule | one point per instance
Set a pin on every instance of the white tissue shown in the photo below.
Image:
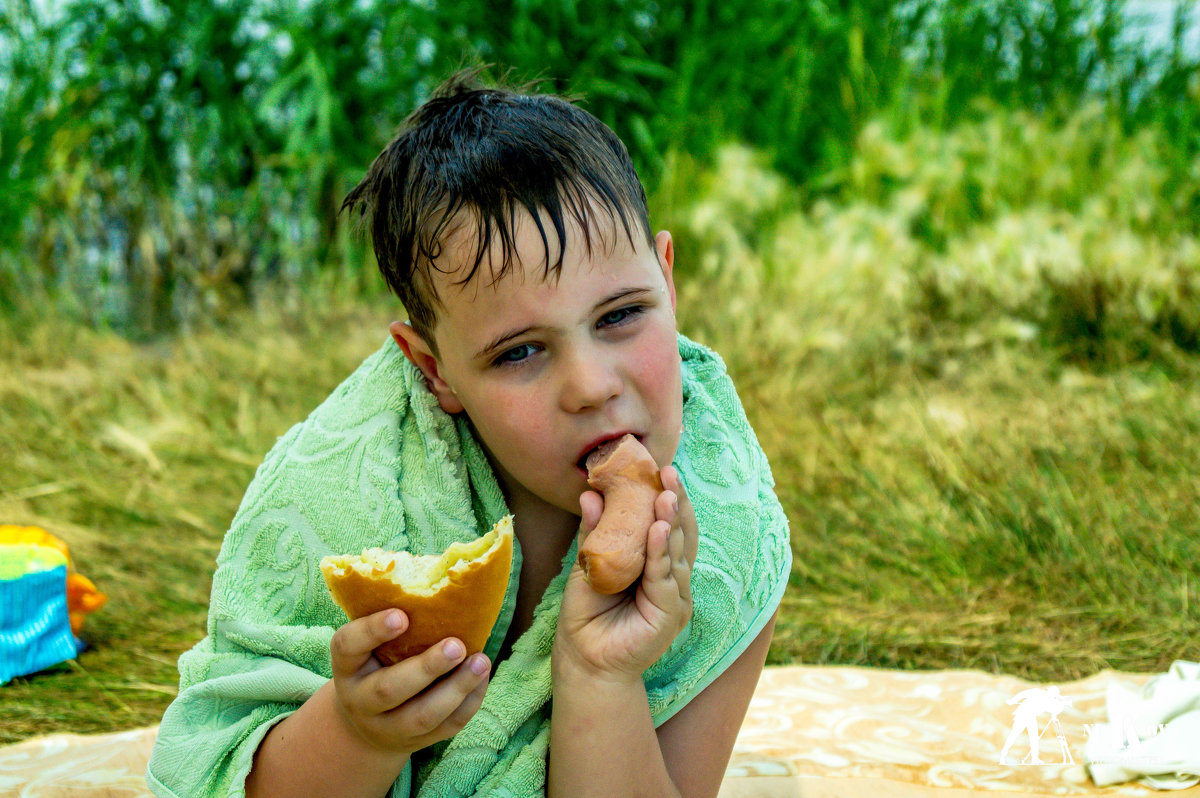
(1153, 733)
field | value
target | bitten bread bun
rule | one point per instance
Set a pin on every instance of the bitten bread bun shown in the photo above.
(614, 554)
(454, 594)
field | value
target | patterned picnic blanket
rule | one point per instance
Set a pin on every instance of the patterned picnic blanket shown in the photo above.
(811, 732)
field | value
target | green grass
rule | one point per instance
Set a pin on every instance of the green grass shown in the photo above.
(973, 478)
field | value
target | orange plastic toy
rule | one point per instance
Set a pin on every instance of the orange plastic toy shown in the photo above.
(82, 596)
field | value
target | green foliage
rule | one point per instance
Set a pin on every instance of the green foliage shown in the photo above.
(1043, 56)
(29, 133)
(202, 150)
(1005, 231)
(164, 160)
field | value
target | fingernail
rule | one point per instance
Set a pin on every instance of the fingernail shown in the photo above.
(394, 621)
(675, 504)
(479, 664)
(452, 649)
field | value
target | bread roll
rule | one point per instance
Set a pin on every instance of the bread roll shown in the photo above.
(454, 594)
(613, 555)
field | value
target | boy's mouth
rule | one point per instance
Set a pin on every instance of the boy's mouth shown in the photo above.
(600, 444)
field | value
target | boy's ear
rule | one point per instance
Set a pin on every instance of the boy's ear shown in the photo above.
(417, 350)
(666, 260)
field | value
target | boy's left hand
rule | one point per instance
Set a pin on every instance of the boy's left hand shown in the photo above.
(621, 635)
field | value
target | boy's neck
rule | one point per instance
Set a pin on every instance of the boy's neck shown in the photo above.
(545, 532)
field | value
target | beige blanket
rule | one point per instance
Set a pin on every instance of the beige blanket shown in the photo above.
(811, 732)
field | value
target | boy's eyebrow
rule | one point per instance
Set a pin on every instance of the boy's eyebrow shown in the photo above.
(509, 335)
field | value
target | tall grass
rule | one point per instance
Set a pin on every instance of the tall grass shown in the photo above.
(164, 160)
(137, 455)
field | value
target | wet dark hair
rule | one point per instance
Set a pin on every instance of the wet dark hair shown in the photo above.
(487, 155)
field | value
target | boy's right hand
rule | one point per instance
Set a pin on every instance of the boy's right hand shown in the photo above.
(390, 708)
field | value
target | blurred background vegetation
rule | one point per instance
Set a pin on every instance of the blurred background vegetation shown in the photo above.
(164, 159)
(950, 252)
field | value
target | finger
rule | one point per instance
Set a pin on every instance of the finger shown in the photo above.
(676, 545)
(471, 704)
(686, 512)
(672, 482)
(352, 644)
(591, 505)
(450, 702)
(681, 569)
(665, 583)
(657, 572)
(666, 507)
(464, 711)
(685, 537)
(390, 687)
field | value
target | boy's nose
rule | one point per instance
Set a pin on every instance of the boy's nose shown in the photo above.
(589, 382)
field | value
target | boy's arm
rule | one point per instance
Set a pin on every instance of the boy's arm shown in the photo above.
(602, 736)
(311, 752)
(698, 740)
(603, 741)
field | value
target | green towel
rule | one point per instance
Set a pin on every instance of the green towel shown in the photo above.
(380, 464)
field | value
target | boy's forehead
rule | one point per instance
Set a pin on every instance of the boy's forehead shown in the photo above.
(465, 264)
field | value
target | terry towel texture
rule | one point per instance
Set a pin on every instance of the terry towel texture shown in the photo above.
(380, 464)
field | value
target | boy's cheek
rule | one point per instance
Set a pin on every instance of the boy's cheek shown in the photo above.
(514, 419)
(667, 367)
(663, 389)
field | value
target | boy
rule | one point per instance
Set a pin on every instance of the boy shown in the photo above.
(542, 323)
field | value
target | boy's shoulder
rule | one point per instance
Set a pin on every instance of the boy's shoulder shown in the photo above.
(336, 471)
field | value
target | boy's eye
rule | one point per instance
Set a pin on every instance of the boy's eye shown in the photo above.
(514, 355)
(614, 317)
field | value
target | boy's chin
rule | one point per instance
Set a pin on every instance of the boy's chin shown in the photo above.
(563, 497)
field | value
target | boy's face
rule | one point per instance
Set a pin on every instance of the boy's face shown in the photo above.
(546, 370)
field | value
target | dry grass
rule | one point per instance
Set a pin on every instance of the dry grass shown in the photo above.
(138, 455)
(981, 471)
(1002, 514)
(1039, 525)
